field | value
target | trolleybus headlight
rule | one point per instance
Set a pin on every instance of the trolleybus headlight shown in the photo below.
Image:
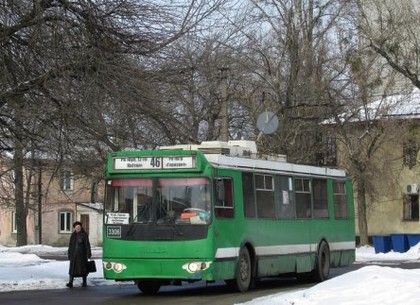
(193, 267)
(117, 267)
(108, 265)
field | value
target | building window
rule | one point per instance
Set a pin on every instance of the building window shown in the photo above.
(14, 224)
(328, 153)
(66, 220)
(410, 150)
(411, 207)
(66, 181)
(331, 151)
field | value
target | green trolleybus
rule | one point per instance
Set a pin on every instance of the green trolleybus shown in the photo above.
(214, 211)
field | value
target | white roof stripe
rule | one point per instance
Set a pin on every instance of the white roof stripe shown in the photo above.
(285, 167)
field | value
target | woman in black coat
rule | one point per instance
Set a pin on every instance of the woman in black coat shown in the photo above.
(78, 253)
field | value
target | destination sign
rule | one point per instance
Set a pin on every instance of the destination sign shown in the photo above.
(117, 218)
(147, 163)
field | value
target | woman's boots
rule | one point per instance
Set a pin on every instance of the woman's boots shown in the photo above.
(70, 283)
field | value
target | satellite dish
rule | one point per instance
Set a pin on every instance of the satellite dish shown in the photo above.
(267, 122)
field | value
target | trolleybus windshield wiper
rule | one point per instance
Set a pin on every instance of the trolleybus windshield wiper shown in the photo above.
(175, 226)
(168, 219)
(132, 227)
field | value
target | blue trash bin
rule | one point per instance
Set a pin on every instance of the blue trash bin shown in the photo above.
(413, 239)
(382, 243)
(399, 242)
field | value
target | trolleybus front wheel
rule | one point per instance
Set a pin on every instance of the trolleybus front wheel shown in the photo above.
(243, 273)
(148, 286)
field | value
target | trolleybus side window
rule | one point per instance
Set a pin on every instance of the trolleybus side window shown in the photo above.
(340, 201)
(265, 196)
(303, 198)
(320, 197)
(285, 199)
(223, 206)
(248, 194)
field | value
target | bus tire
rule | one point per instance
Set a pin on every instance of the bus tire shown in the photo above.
(149, 287)
(243, 272)
(322, 263)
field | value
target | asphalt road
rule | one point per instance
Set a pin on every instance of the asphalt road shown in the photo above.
(198, 294)
(192, 294)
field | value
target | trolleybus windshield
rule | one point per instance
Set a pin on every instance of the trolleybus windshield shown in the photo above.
(158, 200)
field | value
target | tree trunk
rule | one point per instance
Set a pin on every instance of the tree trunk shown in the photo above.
(21, 210)
(361, 209)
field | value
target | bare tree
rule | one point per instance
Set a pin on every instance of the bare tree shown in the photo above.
(56, 56)
(288, 51)
(306, 61)
(364, 133)
(391, 29)
(193, 77)
(381, 27)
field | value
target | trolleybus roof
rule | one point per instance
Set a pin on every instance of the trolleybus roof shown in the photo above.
(243, 154)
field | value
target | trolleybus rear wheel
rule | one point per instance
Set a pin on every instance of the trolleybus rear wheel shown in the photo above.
(322, 267)
(148, 286)
(243, 273)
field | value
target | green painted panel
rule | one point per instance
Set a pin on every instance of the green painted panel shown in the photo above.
(154, 268)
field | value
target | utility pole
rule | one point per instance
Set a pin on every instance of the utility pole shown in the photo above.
(224, 132)
(39, 202)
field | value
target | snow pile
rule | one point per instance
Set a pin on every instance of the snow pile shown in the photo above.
(21, 268)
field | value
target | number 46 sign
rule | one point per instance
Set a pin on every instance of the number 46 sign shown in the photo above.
(147, 163)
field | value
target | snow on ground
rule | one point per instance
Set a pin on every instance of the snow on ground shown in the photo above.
(367, 254)
(22, 268)
(373, 285)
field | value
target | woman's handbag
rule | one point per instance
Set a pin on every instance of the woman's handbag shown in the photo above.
(91, 266)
